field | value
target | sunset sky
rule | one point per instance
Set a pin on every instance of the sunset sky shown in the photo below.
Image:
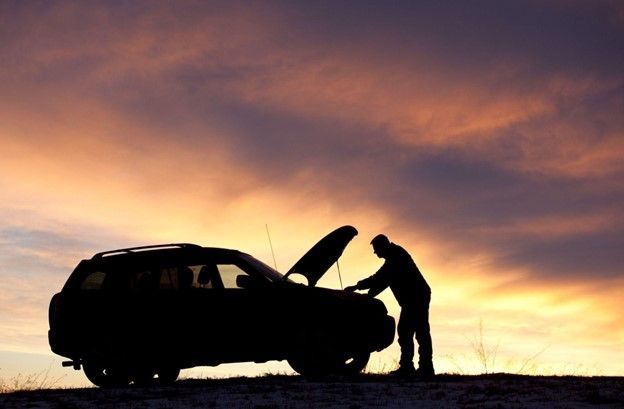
(485, 137)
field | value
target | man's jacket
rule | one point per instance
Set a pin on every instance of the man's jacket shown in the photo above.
(400, 273)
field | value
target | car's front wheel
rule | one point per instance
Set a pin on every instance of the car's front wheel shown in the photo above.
(318, 365)
(353, 365)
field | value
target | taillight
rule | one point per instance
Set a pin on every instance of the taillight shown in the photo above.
(53, 311)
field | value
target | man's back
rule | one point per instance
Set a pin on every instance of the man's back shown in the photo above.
(405, 279)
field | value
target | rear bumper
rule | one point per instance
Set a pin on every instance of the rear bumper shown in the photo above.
(57, 346)
(52, 341)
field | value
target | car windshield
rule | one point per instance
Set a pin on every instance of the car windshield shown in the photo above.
(265, 270)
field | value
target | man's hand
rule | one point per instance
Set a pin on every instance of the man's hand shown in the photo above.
(351, 288)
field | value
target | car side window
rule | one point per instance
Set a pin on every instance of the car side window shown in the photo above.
(168, 278)
(163, 278)
(142, 280)
(228, 273)
(178, 277)
(207, 276)
(93, 281)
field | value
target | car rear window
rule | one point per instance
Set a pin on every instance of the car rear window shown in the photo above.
(93, 281)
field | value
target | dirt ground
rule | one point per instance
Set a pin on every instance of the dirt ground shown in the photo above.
(366, 391)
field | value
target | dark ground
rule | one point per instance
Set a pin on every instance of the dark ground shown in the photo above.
(366, 391)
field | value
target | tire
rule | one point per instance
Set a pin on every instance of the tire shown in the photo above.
(105, 377)
(317, 355)
(314, 366)
(144, 377)
(313, 355)
(310, 368)
(354, 365)
(168, 376)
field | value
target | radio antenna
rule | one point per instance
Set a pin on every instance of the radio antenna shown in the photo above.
(339, 275)
(271, 245)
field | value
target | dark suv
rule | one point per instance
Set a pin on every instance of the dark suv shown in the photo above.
(134, 314)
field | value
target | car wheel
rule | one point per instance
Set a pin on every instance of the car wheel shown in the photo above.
(354, 365)
(310, 367)
(313, 366)
(168, 376)
(105, 377)
(314, 355)
(144, 377)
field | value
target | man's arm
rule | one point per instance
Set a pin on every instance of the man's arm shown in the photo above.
(375, 283)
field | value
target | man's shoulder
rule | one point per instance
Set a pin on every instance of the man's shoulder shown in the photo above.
(397, 250)
(400, 256)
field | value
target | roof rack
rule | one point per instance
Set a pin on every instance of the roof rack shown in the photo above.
(143, 248)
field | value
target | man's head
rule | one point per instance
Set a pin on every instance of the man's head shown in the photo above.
(380, 245)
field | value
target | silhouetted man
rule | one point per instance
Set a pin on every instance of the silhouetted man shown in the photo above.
(413, 294)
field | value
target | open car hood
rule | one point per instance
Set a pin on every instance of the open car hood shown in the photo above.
(324, 253)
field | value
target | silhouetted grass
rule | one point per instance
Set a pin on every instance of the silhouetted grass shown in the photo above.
(485, 354)
(28, 382)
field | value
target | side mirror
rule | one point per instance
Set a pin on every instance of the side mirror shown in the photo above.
(244, 281)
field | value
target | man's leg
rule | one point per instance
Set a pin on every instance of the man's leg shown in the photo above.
(423, 336)
(405, 331)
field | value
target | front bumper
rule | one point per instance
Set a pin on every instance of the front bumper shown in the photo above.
(386, 335)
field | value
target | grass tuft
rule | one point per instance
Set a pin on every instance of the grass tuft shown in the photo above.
(486, 355)
(29, 382)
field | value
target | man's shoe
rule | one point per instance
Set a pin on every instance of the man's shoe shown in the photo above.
(404, 372)
(424, 372)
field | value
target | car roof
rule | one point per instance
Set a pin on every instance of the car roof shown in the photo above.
(157, 251)
(142, 249)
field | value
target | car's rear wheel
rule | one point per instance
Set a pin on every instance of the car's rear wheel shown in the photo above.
(103, 376)
(144, 376)
(168, 376)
